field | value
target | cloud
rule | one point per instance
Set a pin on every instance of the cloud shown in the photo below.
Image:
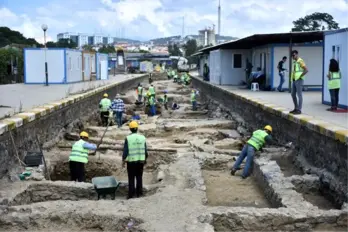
(145, 19)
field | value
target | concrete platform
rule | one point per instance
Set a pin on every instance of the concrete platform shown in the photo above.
(21, 97)
(312, 105)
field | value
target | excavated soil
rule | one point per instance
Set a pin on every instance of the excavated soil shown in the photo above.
(226, 190)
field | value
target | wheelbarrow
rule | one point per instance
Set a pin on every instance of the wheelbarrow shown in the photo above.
(105, 185)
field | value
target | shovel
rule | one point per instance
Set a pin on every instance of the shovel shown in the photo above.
(100, 142)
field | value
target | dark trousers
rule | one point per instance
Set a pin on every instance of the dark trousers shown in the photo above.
(104, 116)
(166, 106)
(119, 118)
(77, 171)
(334, 93)
(135, 171)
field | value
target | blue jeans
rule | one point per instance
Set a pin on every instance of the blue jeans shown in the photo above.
(153, 110)
(280, 87)
(118, 117)
(139, 97)
(248, 152)
(194, 105)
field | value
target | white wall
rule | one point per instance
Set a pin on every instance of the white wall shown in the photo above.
(74, 66)
(229, 74)
(312, 56)
(214, 66)
(35, 66)
(262, 57)
(94, 61)
(102, 66)
(341, 40)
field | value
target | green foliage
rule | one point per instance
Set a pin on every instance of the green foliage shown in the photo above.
(5, 58)
(315, 22)
(190, 49)
(107, 49)
(7, 37)
(88, 48)
(62, 43)
(174, 50)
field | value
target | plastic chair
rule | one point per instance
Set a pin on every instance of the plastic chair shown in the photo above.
(255, 86)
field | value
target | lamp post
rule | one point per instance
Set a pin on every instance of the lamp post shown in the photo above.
(44, 28)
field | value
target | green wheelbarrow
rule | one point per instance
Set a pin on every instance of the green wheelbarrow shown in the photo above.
(105, 185)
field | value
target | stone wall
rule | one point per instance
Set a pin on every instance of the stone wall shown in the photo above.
(319, 146)
(50, 121)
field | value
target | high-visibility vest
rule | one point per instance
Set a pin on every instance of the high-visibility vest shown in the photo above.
(257, 140)
(105, 104)
(152, 90)
(151, 101)
(79, 153)
(335, 80)
(136, 147)
(165, 99)
(140, 90)
(297, 70)
(193, 97)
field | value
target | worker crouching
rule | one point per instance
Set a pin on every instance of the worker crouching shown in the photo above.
(79, 157)
(135, 155)
(255, 143)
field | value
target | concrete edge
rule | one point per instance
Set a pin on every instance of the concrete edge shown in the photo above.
(23, 118)
(311, 122)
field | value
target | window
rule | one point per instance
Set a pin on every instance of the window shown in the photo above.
(333, 52)
(338, 53)
(237, 60)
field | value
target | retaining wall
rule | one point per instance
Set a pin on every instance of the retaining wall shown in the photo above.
(49, 120)
(322, 144)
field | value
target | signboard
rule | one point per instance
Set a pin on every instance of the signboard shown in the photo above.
(113, 59)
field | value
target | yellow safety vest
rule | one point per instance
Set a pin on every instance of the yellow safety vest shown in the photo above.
(297, 70)
(193, 97)
(78, 153)
(335, 80)
(152, 90)
(151, 101)
(105, 104)
(258, 139)
(140, 90)
(136, 148)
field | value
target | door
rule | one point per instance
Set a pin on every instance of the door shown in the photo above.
(86, 68)
(103, 70)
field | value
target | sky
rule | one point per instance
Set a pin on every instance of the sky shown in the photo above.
(148, 19)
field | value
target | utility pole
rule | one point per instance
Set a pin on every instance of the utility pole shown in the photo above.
(219, 19)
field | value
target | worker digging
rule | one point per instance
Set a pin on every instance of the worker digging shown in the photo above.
(165, 164)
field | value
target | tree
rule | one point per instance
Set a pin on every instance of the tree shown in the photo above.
(173, 50)
(88, 48)
(62, 43)
(190, 47)
(315, 22)
(7, 37)
(107, 49)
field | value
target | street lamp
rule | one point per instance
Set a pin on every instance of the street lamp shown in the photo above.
(44, 28)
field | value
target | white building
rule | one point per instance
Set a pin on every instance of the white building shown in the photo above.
(97, 39)
(336, 47)
(227, 61)
(82, 40)
(206, 37)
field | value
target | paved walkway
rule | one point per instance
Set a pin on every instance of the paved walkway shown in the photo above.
(12, 96)
(311, 103)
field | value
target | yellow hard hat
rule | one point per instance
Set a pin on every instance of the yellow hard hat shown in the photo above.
(148, 94)
(133, 124)
(105, 95)
(193, 91)
(84, 134)
(269, 128)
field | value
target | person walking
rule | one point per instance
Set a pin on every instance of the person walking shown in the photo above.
(281, 70)
(205, 72)
(117, 106)
(152, 104)
(135, 155)
(298, 73)
(255, 143)
(165, 99)
(152, 90)
(104, 106)
(79, 157)
(334, 83)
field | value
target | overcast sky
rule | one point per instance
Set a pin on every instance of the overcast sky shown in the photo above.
(146, 19)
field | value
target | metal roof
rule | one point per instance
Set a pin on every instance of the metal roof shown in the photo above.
(263, 39)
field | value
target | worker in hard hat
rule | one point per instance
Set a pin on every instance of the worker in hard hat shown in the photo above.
(194, 100)
(79, 157)
(104, 106)
(152, 103)
(135, 155)
(165, 99)
(183, 76)
(255, 143)
(152, 90)
(140, 92)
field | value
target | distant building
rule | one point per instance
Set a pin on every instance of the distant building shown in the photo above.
(206, 37)
(82, 39)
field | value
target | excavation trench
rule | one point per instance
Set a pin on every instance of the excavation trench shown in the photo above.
(204, 139)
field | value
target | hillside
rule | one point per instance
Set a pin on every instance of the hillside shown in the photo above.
(8, 36)
(171, 39)
(127, 40)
